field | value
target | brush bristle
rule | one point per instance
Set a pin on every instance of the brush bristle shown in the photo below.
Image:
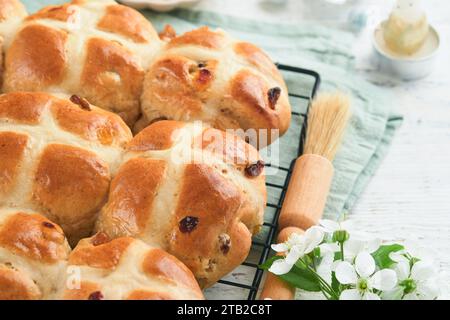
(327, 119)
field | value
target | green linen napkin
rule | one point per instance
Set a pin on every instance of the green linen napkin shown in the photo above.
(328, 52)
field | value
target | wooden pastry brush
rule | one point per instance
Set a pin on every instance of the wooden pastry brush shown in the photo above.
(311, 178)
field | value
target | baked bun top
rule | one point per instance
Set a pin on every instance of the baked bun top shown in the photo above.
(128, 269)
(196, 192)
(96, 49)
(57, 157)
(33, 255)
(12, 13)
(207, 75)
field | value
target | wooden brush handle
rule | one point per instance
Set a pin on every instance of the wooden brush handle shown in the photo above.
(274, 287)
(307, 192)
(302, 208)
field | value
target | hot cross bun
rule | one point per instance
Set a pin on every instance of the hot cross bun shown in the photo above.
(126, 269)
(207, 75)
(57, 156)
(196, 192)
(33, 256)
(96, 49)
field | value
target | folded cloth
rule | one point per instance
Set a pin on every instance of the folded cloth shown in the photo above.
(328, 52)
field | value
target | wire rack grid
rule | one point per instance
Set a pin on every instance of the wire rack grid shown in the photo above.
(245, 281)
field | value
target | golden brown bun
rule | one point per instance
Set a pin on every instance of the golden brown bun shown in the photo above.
(127, 269)
(111, 55)
(204, 212)
(96, 49)
(12, 12)
(57, 157)
(33, 256)
(206, 75)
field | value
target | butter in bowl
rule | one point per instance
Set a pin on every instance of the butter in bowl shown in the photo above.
(405, 43)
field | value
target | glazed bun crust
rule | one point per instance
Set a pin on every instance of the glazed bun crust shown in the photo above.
(12, 12)
(57, 158)
(33, 255)
(96, 49)
(176, 206)
(128, 269)
(206, 75)
(186, 188)
(111, 55)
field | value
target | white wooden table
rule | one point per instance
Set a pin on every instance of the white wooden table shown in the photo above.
(409, 197)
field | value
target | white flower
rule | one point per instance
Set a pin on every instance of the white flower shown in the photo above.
(353, 247)
(363, 279)
(293, 240)
(414, 283)
(331, 226)
(296, 247)
(325, 268)
(412, 249)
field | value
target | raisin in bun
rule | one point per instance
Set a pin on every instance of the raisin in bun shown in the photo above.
(33, 256)
(196, 192)
(57, 157)
(126, 268)
(207, 75)
(96, 49)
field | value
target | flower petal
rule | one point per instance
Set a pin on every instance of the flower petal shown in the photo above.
(398, 256)
(371, 296)
(373, 245)
(328, 248)
(402, 269)
(324, 268)
(329, 225)
(294, 254)
(394, 294)
(345, 273)
(347, 225)
(428, 290)
(280, 266)
(422, 271)
(350, 294)
(280, 247)
(383, 280)
(364, 264)
(313, 237)
(352, 248)
(296, 239)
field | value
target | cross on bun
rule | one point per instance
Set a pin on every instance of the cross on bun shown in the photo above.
(57, 157)
(207, 75)
(33, 256)
(95, 49)
(196, 192)
(126, 268)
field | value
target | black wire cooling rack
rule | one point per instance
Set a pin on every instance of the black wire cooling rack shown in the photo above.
(245, 281)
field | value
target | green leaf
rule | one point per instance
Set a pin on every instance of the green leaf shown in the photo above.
(268, 263)
(381, 256)
(337, 256)
(302, 279)
(335, 283)
(298, 277)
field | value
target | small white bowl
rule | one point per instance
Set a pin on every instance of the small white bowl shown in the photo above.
(158, 5)
(412, 67)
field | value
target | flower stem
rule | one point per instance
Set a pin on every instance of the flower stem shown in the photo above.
(326, 288)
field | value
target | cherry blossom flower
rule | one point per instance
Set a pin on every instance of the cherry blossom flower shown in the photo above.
(362, 278)
(296, 247)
